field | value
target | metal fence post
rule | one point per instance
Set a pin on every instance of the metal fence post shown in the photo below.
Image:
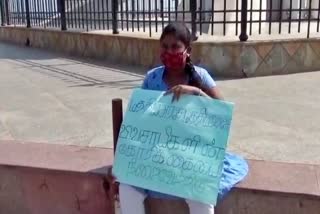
(115, 10)
(62, 11)
(2, 13)
(193, 10)
(244, 10)
(27, 13)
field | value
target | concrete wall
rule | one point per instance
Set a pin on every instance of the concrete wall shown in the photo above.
(27, 190)
(225, 59)
(51, 179)
(57, 179)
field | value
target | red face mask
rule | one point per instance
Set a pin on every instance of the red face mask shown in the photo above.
(174, 60)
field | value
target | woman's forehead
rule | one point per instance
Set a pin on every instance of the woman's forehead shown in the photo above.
(171, 39)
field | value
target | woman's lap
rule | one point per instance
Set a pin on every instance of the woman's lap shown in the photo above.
(235, 168)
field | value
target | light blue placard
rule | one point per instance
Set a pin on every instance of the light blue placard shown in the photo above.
(174, 148)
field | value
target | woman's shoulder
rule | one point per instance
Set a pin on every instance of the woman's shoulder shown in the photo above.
(153, 78)
(201, 70)
(155, 72)
(205, 77)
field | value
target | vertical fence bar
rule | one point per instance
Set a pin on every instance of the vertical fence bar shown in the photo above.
(300, 13)
(224, 16)
(183, 10)
(99, 15)
(237, 18)
(162, 13)
(127, 14)
(87, 15)
(38, 12)
(34, 12)
(31, 8)
(270, 16)
(102, 8)
(68, 10)
(150, 27)
(290, 16)
(193, 9)
(94, 14)
(121, 14)
(200, 16)
(318, 22)
(30, 11)
(73, 13)
(55, 14)
(43, 19)
(309, 18)
(212, 17)
(82, 14)
(133, 15)
(79, 13)
(49, 12)
(251, 10)
(280, 16)
(27, 13)
(11, 12)
(90, 12)
(19, 13)
(21, 18)
(2, 13)
(143, 15)
(7, 11)
(62, 12)
(42, 13)
(169, 11)
(46, 14)
(115, 9)
(14, 12)
(176, 4)
(23, 12)
(156, 14)
(137, 15)
(109, 9)
(244, 10)
(260, 15)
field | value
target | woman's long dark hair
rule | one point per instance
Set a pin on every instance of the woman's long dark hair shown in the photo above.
(183, 34)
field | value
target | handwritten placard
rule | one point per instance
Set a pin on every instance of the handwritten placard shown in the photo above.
(174, 148)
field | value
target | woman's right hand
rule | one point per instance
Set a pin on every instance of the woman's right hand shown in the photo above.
(179, 90)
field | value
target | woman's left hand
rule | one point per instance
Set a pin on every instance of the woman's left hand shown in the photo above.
(179, 90)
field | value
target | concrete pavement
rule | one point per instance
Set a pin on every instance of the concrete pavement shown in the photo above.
(45, 97)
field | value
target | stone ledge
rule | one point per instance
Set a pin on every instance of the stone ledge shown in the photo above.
(29, 170)
(138, 35)
(55, 157)
(224, 59)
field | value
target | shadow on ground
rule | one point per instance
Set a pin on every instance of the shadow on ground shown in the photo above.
(68, 68)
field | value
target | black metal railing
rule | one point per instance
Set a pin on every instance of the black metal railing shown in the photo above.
(241, 18)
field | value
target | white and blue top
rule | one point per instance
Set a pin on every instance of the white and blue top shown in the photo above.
(235, 167)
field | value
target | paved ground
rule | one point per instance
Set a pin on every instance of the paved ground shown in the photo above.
(48, 98)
